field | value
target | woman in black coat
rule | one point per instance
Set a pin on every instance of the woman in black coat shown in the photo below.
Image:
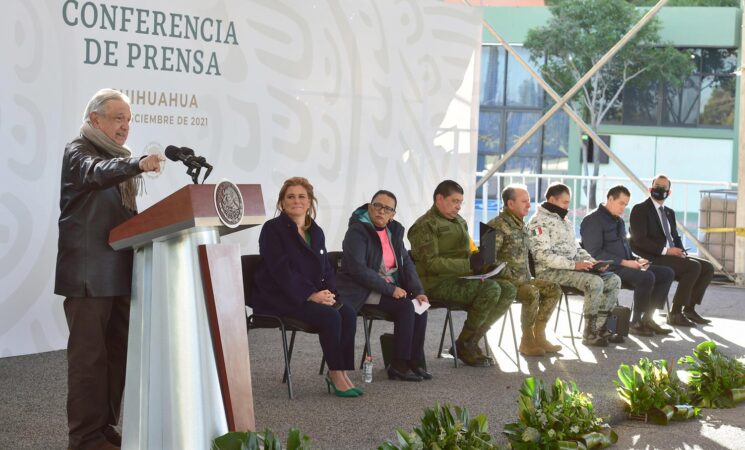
(295, 279)
(376, 270)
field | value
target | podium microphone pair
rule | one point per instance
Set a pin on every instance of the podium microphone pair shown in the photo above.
(190, 160)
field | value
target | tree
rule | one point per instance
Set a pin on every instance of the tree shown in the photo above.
(578, 34)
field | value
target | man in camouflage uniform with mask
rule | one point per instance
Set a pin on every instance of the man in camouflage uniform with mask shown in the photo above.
(442, 250)
(538, 297)
(560, 259)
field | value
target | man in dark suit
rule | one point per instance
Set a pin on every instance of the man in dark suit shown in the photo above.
(604, 237)
(100, 179)
(654, 236)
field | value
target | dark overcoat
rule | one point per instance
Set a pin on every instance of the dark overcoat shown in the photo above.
(90, 206)
(289, 271)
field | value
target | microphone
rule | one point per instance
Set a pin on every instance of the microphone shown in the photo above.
(180, 154)
(200, 160)
(190, 160)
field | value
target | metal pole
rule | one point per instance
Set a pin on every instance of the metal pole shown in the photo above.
(740, 216)
(570, 94)
(599, 142)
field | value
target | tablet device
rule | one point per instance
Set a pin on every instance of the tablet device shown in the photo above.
(487, 243)
(599, 264)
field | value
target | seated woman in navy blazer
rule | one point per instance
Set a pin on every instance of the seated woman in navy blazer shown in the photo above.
(376, 270)
(295, 279)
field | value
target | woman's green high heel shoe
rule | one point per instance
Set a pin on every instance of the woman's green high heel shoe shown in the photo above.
(348, 393)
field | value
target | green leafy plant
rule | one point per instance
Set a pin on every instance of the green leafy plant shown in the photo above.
(265, 440)
(557, 418)
(442, 428)
(716, 381)
(654, 392)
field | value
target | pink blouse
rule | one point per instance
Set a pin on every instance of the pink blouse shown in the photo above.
(389, 259)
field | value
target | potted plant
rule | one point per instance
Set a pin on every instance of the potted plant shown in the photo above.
(559, 417)
(653, 393)
(716, 381)
(266, 440)
(443, 428)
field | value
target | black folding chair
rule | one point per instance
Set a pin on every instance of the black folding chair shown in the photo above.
(249, 264)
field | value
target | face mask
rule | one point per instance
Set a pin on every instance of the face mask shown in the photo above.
(660, 193)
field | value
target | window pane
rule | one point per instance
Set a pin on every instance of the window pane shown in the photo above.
(522, 89)
(717, 101)
(526, 159)
(640, 104)
(681, 103)
(490, 132)
(556, 144)
(719, 60)
(492, 75)
(556, 136)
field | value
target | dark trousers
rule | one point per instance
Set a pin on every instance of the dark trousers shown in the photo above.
(650, 287)
(336, 329)
(408, 328)
(693, 275)
(96, 366)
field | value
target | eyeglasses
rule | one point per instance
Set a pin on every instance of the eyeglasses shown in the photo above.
(382, 208)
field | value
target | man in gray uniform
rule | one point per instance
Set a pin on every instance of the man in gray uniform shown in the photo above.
(559, 258)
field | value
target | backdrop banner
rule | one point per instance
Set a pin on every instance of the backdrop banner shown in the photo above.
(355, 96)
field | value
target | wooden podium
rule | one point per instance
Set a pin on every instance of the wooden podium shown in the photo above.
(188, 370)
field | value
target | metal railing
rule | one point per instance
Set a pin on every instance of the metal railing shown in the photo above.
(685, 198)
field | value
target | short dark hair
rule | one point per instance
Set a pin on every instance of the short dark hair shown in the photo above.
(556, 189)
(509, 192)
(664, 177)
(447, 188)
(616, 192)
(387, 194)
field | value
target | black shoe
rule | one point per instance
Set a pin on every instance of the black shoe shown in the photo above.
(652, 325)
(394, 374)
(640, 329)
(678, 319)
(694, 317)
(422, 373)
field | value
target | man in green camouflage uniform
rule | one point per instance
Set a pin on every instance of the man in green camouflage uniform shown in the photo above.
(560, 259)
(538, 297)
(442, 250)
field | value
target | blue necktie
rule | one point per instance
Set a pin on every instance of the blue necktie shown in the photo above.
(666, 226)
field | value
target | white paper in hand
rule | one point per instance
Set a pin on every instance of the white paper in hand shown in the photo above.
(486, 275)
(419, 308)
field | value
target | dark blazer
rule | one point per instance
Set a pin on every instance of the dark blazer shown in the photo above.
(289, 271)
(90, 206)
(604, 236)
(647, 236)
(362, 256)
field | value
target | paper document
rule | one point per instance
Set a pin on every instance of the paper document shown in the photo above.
(419, 308)
(486, 275)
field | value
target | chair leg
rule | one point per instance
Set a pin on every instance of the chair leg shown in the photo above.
(501, 333)
(442, 337)
(323, 365)
(288, 374)
(558, 313)
(514, 339)
(449, 322)
(569, 318)
(289, 356)
(367, 327)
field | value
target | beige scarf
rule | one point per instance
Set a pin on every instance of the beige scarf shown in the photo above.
(110, 149)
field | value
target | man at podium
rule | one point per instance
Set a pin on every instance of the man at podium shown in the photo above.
(100, 180)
